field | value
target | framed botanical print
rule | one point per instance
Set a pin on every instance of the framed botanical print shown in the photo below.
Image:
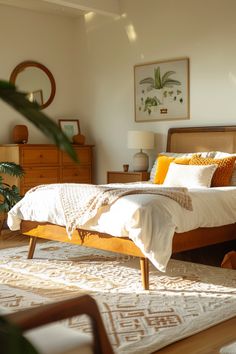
(161, 90)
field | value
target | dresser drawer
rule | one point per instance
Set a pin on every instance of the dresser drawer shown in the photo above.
(46, 164)
(37, 175)
(80, 174)
(40, 156)
(84, 155)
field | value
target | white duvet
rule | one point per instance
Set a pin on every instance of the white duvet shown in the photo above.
(149, 220)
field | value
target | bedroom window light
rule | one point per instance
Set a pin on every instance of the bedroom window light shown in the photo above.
(139, 139)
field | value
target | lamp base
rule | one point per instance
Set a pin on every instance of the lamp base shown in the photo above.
(140, 161)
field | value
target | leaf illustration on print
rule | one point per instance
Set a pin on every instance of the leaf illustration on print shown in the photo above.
(159, 82)
(158, 85)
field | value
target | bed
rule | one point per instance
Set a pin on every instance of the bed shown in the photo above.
(180, 140)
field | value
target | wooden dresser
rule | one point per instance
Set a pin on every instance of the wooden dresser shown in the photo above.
(45, 163)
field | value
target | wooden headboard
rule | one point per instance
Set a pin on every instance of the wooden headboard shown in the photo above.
(198, 139)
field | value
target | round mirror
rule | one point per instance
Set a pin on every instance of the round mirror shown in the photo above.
(35, 79)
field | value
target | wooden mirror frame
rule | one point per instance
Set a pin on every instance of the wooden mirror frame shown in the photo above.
(30, 63)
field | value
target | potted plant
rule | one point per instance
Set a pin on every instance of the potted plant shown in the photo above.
(9, 195)
(31, 111)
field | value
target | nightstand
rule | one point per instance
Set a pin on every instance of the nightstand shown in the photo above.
(125, 177)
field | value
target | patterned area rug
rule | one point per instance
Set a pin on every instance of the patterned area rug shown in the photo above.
(184, 300)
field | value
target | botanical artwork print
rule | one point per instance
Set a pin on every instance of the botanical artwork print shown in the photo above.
(161, 91)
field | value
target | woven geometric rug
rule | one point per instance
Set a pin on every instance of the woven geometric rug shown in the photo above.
(185, 300)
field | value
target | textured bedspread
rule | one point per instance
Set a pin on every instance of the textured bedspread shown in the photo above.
(81, 203)
(149, 218)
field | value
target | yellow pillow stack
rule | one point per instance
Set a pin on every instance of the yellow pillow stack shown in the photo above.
(163, 163)
(163, 166)
(223, 172)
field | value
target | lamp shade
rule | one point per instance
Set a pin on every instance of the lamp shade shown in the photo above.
(139, 139)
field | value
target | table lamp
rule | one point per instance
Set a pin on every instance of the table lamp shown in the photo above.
(139, 139)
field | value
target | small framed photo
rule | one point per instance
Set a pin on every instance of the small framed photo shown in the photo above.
(70, 127)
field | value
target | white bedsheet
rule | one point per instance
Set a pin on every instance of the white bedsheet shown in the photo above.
(149, 220)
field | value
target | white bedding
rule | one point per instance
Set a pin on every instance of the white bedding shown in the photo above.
(149, 220)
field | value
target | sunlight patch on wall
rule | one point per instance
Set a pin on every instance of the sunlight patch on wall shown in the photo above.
(232, 78)
(131, 33)
(89, 16)
(120, 17)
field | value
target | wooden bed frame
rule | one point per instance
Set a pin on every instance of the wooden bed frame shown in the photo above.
(197, 139)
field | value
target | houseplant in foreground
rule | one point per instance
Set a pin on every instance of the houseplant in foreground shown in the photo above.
(31, 111)
(10, 337)
(9, 195)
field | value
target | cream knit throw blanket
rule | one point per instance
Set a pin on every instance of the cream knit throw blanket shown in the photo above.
(81, 202)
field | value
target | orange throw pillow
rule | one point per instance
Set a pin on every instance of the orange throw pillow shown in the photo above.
(163, 166)
(224, 171)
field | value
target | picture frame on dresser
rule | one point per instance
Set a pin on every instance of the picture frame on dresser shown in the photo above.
(70, 127)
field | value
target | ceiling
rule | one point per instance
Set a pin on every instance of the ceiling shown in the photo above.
(72, 8)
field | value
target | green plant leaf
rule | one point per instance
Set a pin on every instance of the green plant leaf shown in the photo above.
(157, 75)
(166, 76)
(4, 207)
(10, 196)
(170, 83)
(31, 111)
(11, 169)
(12, 341)
(147, 80)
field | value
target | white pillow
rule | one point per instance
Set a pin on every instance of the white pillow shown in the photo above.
(177, 154)
(170, 154)
(190, 176)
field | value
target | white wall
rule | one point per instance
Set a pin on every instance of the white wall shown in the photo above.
(203, 30)
(92, 61)
(50, 40)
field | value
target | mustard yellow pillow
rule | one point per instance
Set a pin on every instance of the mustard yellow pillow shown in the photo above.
(182, 160)
(163, 166)
(223, 172)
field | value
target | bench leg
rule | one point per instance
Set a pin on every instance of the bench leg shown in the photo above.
(32, 244)
(144, 265)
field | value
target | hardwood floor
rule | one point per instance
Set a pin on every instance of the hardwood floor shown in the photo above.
(10, 238)
(206, 342)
